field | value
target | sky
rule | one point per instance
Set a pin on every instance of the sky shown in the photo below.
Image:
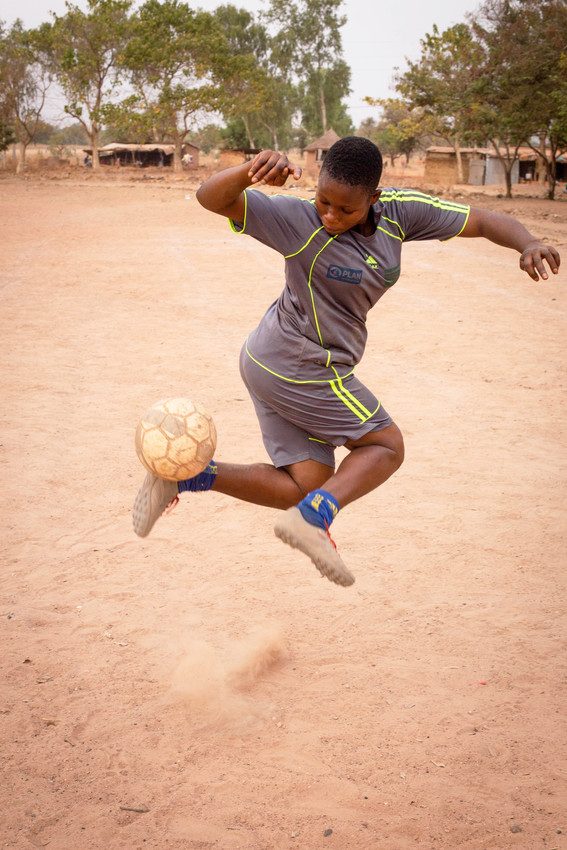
(375, 42)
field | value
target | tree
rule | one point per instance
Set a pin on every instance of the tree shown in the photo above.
(400, 129)
(44, 132)
(523, 82)
(308, 45)
(247, 42)
(169, 61)
(71, 134)
(207, 138)
(261, 94)
(441, 82)
(336, 85)
(7, 137)
(85, 48)
(24, 81)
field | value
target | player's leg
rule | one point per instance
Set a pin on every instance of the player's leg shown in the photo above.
(301, 464)
(259, 483)
(346, 413)
(305, 526)
(282, 488)
(273, 487)
(372, 459)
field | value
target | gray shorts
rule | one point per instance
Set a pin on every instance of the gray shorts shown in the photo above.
(308, 421)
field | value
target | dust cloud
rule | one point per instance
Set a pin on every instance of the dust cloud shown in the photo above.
(216, 683)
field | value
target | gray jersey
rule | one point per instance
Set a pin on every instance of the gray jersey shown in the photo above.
(316, 330)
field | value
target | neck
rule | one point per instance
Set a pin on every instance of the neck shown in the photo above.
(367, 227)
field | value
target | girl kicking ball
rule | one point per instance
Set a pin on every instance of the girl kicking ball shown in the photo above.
(342, 254)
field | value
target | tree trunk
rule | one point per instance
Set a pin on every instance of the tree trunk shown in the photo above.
(177, 154)
(543, 161)
(551, 178)
(323, 107)
(506, 163)
(460, 173)
(246, 123)
(508, 177)
(93, 136)
(21, 161)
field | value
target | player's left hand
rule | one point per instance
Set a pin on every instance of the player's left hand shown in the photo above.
(533, 258)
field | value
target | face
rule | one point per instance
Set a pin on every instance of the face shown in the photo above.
(340, 206)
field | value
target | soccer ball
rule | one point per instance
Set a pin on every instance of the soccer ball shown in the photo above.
(176, 439)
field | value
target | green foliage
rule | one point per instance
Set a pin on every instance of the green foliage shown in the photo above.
(7, 136)
(44, 132)
(260, 100)
(500, 79)
(400, 130)
(308, 34)
(235, 134)
(522, 82)
(71, 134)
(171, 60)
(441, 81)
(126, 122)
(244, 35)
(24, 81)
(307, 48)
(207, 138)
(335, 85)
(84, 48)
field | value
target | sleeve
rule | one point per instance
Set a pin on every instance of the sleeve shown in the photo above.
(274, 220)
(426, 217)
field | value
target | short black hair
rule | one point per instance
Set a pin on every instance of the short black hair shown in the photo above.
(355, 161)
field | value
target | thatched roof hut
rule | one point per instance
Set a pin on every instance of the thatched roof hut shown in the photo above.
(315, 152)
(118, 153)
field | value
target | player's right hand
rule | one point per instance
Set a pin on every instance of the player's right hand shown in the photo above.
(533, 256)
(272, 168)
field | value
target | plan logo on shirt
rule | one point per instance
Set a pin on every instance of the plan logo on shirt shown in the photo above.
(344, 275)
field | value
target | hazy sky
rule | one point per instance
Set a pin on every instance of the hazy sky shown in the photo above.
(376, 38)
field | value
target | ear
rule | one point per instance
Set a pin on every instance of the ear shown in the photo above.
(375, 195)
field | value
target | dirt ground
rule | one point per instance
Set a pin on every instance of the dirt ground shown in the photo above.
(205, 688)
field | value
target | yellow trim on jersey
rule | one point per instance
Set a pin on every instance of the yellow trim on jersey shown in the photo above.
(462, 228)
(311, 289)
(391, 220)
(407, 195)
(345, 400)
(336, 384)
(353, 399)
(387, 232)
(315, 440)
(292, 380)
(376, 410)
(231, 222)
(315, 232)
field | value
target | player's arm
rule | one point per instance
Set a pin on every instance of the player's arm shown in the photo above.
(223, 193)
(507, 231)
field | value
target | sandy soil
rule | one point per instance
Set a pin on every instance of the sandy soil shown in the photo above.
(205, 688)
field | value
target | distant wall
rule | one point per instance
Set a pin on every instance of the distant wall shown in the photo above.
(234, 157)
(479, 169)
(43, 154)
(442, 167)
